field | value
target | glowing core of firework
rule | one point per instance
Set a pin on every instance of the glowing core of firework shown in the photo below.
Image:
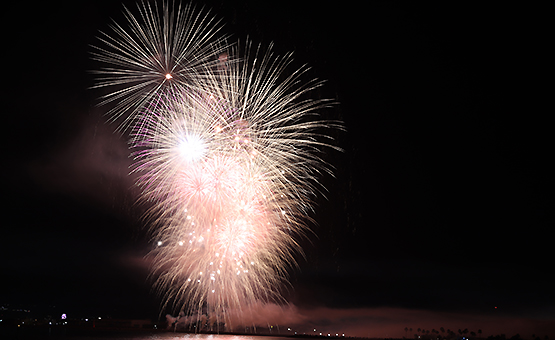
(192, 148)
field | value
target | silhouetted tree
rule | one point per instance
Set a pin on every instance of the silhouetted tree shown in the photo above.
(497, 337)
(516, 337)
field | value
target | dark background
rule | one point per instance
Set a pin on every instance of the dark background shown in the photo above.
(442, 199)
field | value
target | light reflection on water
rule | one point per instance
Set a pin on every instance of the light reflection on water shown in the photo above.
(184, 336)
(38, 334)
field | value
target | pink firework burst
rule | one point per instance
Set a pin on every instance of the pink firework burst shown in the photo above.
(227, 155)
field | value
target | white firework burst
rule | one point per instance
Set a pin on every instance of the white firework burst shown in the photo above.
(160, 49)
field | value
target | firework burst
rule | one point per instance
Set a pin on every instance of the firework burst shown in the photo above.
(160, 49)
(229, 163)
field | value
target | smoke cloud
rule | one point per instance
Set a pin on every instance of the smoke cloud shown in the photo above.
(374, 322)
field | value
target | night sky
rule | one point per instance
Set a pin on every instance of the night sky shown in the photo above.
(442, 205)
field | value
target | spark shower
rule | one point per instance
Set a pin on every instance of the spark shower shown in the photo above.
(227, 146)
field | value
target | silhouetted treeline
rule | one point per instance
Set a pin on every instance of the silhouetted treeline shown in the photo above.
(461, 334)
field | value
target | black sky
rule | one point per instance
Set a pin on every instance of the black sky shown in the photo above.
(442, 199)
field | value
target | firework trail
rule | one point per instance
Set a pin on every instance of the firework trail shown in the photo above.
(227, 152)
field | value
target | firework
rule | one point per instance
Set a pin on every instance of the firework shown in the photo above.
(161, 49)
(230, 164)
